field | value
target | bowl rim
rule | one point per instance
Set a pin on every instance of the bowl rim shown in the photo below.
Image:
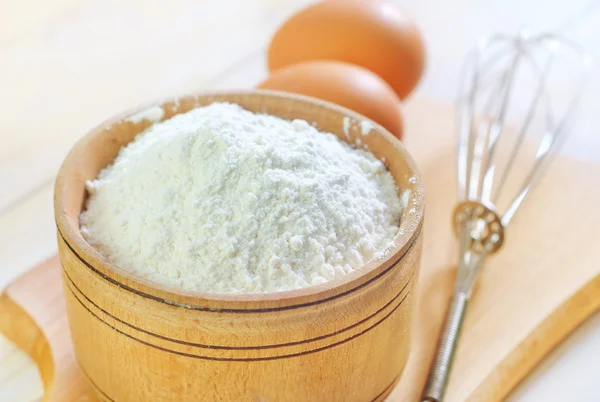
(236, 302)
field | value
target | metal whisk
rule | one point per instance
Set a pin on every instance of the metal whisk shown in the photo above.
(491, 84)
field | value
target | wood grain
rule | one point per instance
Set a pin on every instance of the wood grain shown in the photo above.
(530, 297)
(32, 315)
(57, 56)
(312, 344)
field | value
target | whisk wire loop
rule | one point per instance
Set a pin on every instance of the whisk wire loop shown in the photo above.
(482, 112)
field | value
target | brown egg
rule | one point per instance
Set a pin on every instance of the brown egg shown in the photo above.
(374, 34)
(344, 84)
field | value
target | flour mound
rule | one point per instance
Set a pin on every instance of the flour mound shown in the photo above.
(223, 200)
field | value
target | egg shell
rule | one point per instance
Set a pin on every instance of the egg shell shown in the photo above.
(345, 84)
(374, 34)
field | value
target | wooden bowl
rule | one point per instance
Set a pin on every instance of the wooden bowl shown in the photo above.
(344, 340)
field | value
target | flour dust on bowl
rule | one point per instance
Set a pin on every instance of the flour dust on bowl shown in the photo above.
(339, 337)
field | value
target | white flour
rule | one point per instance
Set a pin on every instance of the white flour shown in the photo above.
(223, 200)
(153, 114)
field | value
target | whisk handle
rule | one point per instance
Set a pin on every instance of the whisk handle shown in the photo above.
(437, 380)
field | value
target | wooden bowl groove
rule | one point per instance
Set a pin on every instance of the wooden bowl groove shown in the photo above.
(135, 340)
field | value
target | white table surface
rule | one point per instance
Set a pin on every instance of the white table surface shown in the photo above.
(67, 64)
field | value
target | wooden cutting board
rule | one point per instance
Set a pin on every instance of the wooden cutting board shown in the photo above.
(541, 286)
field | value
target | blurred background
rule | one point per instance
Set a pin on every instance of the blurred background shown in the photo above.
(65, 65)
